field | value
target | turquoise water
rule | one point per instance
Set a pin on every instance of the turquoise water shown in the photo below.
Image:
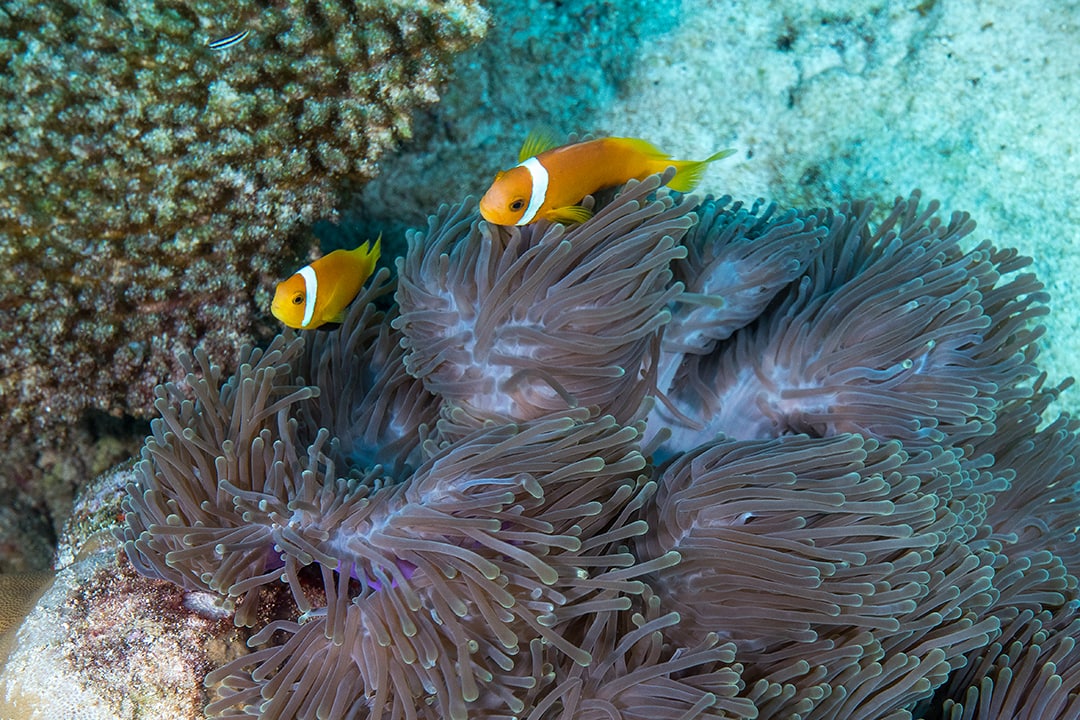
(972, 102)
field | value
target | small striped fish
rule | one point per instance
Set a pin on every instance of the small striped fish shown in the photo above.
(227, 42)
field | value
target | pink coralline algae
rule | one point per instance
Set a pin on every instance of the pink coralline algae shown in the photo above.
(688, 459)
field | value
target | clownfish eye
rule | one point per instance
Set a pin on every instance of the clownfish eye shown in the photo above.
(298, 299)
(517, 204)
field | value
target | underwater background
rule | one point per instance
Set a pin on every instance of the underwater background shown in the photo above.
(824, 101)
(971, 102)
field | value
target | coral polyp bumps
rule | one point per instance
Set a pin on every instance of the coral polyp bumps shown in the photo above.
(687, 459)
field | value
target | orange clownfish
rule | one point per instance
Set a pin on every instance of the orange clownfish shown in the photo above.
(319, 293)
(549, 182)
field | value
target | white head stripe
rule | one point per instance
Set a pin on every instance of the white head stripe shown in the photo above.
(311, 289)
(539, 189)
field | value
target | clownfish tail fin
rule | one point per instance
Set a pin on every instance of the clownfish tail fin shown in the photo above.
(688, 172)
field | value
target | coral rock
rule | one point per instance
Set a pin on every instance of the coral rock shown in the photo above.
(153, 182)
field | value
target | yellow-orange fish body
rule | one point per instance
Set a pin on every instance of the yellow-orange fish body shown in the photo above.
(319, 293)
(548, 184)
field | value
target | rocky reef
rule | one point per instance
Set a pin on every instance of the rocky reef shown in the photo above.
(687, 459)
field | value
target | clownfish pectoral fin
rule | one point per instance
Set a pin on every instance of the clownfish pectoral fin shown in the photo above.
(688, 172)
(569, 215)
(536, 142)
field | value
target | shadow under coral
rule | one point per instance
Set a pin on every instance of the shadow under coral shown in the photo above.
(687, 459)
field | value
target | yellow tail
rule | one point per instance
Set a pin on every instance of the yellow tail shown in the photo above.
(368, 254)
(688, 172)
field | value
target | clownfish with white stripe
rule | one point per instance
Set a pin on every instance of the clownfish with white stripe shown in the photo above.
(319, 293)
(549, 182)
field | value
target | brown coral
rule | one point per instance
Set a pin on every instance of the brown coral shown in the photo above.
(150, 197)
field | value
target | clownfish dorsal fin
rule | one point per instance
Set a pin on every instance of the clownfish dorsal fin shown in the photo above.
(537, 141)
(569, 215)
(643, 147)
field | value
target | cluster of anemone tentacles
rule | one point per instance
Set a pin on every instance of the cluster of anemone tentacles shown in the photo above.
(689, 459)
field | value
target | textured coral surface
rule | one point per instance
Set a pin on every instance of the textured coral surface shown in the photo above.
(153, 184)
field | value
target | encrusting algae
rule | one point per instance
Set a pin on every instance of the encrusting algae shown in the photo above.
(685, 459)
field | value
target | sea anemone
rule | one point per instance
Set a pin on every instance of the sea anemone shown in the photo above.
(688, 459)
(375, 411)
(895, 332)
(738, 259)
(823, 550)
(515, 323)
(208, 452)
